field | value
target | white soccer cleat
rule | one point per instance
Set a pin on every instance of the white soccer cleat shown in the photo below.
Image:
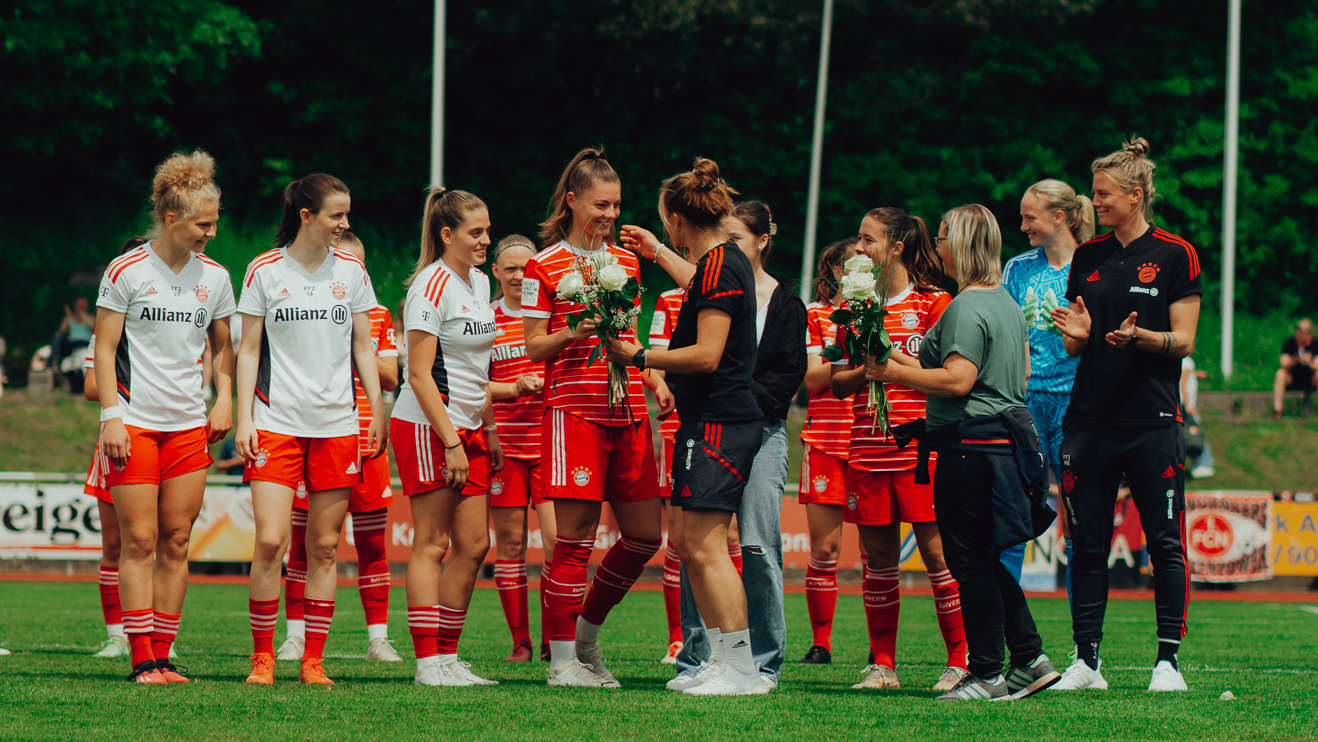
(379, 650)
(1080, 675)
(462, 670)
(950, 678)
(690, 680)
(173, 655)
(440, 674)
(291, 649)
(878, 677)
(728, 682)
(115, 646)
(3, 651)
(1166, 678)
(670, 658)
(576, 675)
(588, 654)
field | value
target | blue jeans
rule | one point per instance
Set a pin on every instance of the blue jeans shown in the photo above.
(762, 563)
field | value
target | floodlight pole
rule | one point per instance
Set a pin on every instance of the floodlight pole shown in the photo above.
(816, 155)
(1229, 186)
(437, 101)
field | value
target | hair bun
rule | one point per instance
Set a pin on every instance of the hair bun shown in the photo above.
(705, 174)
(184, 172)
(1139, 146)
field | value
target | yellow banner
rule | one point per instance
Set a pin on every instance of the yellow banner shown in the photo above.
(1294, 538)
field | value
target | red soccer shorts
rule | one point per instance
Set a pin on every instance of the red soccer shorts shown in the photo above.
(823, 478)
(372, 493)
(420, 456)
(95, 485)
(320, 463)
(154, 456)
(881, 498)
(517, 485)
(582, 460)
(666, 467)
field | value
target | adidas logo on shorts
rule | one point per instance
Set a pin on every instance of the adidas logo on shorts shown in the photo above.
(352, 468)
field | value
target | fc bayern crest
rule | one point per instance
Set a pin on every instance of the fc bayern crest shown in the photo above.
(339, 291)
(261, 458)
(496, 486)
(581, 476)
(820, 483)
(202, 293)
(910, 320)
(852, 501)
(1068, 480)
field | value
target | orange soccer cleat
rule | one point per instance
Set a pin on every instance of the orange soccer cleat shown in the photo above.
(171, 673)
(313, 672)
(263, 669)
(146, 673)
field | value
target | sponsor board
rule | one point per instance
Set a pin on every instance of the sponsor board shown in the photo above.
(1227, 535)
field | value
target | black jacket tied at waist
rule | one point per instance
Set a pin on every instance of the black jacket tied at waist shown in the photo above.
(1020, 476)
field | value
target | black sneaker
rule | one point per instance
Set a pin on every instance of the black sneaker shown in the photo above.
(1026, 680)
(974, 688)
(816, 656)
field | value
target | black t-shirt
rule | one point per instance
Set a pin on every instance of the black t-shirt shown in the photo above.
(1128, 386)
(724, 280)
(1291, 347)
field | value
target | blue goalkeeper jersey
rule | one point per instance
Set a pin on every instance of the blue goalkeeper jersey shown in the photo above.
(1039, 288)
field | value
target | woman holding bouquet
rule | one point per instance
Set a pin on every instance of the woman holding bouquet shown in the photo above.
(881, 488)
(711, 361)
(596, 445)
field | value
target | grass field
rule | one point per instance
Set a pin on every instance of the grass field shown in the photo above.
(52, 689)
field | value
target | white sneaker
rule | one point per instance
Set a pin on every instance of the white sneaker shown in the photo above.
(291, 649)
(707, 670)
(1080, 675)
(440, 674)
(1166, 677)
(173, 655)
(462, 670)
(115, 646)
(588, 654)
(574, 674)
(728, 682)
(3, 651)
(380, 650)
(1202, 472)
(878, 677)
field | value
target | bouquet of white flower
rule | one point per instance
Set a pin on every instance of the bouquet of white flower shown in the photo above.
(864, 291)
(608, 294)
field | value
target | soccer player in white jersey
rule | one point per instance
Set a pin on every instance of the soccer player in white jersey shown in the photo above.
(156, 307)
(445, 440)
(306, 324)
(594, 449)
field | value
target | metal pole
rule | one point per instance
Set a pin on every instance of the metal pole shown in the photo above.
(1229, 187)
(816, 154)
(437, 101)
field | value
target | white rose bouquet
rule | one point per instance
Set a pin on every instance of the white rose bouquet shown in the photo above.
(864, 291)
(602, 286)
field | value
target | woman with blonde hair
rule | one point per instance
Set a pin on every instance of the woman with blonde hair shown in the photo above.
(972, 367)
(1134, 310)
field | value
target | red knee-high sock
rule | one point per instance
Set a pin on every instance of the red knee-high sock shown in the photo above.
(109, 584)
(423, 625)
(564, 586)
(163, 633)
(821, 599)
(734, 553)
(947, 601)
(510, 579)
(616, 574)
(139, 625)
(295, 579)
(320, 613)
(673, 593)
(450, 629)
(263, 614)
(372, 564)
(882, 607)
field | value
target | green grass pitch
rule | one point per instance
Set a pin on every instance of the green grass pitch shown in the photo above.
(50, 688)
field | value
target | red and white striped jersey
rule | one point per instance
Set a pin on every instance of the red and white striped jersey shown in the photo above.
(166, 317)
(571, 384)
(520, 419)
(827, 418)
(661, 334)
(910, 315)
(382, 340)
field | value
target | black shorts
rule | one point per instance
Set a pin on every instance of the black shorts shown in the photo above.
(711, 462)
(1301, 378)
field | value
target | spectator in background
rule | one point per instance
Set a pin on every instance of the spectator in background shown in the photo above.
(229, 461)
(1197, 450)
(75, 332)
(1297, 365)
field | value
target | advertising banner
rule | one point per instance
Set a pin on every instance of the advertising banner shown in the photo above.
(1294, 538)
(1227, 535)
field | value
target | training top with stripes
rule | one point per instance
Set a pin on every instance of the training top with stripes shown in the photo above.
(166, 316)
(520, 419)
(827, 419)
(459, 316)
(571, 383)
(1129, 386)
(662, 325)
(382, 342)
(304, 380)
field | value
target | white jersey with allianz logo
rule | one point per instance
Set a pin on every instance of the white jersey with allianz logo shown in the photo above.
(304, 383)
(460, 316)
(166, 316)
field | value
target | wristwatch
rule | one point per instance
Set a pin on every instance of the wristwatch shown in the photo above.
(638, 360)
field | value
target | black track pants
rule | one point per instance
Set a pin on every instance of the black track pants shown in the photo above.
(1094, 459)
